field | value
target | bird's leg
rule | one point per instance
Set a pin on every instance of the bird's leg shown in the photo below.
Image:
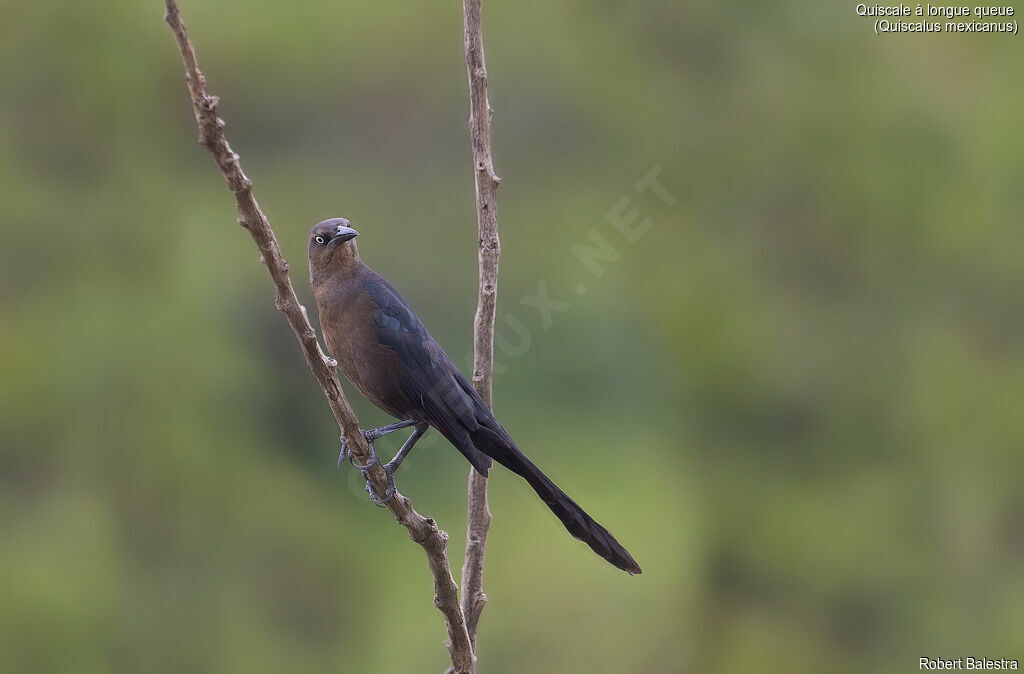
(391, 466)
(370, 436)
(375, 433)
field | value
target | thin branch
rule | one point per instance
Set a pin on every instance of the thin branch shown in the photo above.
(422, 530)
(478, 514)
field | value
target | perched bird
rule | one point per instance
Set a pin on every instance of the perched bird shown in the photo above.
(386, 353)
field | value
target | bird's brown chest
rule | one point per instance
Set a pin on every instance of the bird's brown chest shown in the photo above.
(346, 317)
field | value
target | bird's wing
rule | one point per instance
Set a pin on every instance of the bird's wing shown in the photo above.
(426, 375)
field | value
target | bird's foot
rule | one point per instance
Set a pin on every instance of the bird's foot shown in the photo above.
(344, 452)
(369, 436)
(389, 469)
(389, 494)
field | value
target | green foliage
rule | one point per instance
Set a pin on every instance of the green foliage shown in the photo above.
(795, 398)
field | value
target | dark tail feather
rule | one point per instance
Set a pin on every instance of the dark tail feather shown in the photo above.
(576, 520)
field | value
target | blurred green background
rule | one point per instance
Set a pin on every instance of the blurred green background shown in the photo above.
(796, 397)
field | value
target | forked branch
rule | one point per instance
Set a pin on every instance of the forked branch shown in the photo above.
(422, 530)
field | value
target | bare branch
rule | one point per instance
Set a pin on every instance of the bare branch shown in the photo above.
(422, 530)
(478, 514)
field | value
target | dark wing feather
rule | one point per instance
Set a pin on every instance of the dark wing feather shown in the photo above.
(435, 389)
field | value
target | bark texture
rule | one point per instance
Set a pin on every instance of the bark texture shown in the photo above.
(478, 514)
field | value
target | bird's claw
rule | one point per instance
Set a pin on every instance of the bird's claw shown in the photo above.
(388, 495)
(388, 469)
(345, 454)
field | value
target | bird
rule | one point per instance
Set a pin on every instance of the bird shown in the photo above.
(383, 350)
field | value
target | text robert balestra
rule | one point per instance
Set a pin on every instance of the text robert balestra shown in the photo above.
(934, 664)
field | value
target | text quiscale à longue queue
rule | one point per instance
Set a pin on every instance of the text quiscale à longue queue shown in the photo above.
(946, 11)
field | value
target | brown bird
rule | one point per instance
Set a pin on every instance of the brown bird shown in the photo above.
(387, 354)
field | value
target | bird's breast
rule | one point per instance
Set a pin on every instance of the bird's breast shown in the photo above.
(351, 336)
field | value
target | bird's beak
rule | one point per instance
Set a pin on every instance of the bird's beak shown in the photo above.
(343, 234)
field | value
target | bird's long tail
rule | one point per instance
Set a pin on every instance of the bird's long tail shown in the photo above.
(581, 525)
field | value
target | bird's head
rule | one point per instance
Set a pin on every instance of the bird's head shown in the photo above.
(331, 246)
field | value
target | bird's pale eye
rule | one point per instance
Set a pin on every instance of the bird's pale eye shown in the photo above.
(320, 239)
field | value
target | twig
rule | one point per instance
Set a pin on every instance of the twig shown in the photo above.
(478, 514)
(422, 530)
